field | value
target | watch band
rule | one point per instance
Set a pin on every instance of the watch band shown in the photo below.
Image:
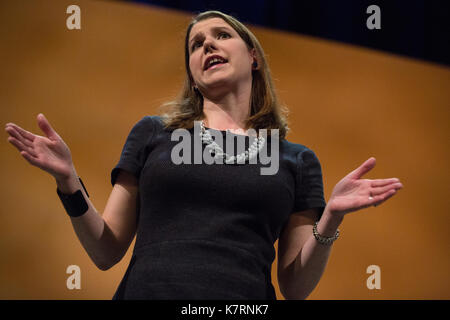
(75, 204)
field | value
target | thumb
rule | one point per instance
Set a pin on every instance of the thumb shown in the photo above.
(368, 165)
(46, 127)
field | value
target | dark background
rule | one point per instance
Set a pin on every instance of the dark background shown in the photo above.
(414, 28)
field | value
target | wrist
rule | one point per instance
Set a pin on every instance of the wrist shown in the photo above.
(69, 184)
(72, 197)
(329, 223)
(334, 217)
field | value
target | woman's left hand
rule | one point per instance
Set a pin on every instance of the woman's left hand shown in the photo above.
(353, 193)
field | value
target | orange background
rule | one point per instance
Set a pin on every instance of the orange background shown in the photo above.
(347, 103)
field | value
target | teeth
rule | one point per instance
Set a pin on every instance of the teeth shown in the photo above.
(214, 60)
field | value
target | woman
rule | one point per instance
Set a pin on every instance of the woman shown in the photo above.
(207, 231)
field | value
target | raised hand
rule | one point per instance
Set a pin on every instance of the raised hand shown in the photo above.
(353, 193)
(49, 152)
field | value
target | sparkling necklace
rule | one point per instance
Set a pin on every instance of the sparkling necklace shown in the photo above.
(217, 151)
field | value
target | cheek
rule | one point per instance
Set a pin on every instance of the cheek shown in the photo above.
(192, 70)
(194, 64)
(244, 58)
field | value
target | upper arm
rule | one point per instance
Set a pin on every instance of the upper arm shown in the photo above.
(292, 238)
(120, 212)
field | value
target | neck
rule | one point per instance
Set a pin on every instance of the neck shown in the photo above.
(228, 111)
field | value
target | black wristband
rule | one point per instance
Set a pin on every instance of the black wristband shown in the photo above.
(82, 184)
(75, 204)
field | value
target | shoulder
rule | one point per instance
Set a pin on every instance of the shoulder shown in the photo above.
(149, 123)
(302, 157)
(149, 120)
(295, 149)
(144, 130)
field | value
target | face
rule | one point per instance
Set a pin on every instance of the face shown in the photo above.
(219, 58)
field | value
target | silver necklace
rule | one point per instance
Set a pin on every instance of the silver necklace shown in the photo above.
(213, 147)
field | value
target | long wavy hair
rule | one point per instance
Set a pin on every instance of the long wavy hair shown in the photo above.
(265, 110)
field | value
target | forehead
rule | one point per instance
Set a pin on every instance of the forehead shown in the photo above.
(205, 25)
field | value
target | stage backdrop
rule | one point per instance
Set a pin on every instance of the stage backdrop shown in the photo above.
(346, 103)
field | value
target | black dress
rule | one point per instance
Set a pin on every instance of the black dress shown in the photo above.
(207, 231)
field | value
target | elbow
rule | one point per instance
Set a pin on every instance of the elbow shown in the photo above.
(103, 266)
(108, 259)
(296, 296)
(106, 264)
(292, 290)
(293, 293)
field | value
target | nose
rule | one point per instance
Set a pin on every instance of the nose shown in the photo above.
(209, 45)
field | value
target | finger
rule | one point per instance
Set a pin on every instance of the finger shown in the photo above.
(32, 160)
(378, 200)
(382, 190)
(24, 133)
(46, 127)
(21, 147)
(16, 143)
(363, 169)
(383, 182)
(15, 133)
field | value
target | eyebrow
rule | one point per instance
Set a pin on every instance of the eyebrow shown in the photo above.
(198, 34)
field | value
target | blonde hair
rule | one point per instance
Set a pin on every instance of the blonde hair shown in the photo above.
(265, 110)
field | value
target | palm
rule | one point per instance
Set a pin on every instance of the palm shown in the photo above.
(51, 155)
(48, 153)
(353, 193)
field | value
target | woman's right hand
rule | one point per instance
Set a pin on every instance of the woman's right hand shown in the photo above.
(49, 153)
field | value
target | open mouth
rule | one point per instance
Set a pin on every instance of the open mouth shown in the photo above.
(214, 62)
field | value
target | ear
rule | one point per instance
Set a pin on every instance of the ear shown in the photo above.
(255, 62)
(192, 82)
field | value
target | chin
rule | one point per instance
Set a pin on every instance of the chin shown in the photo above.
(219, 81)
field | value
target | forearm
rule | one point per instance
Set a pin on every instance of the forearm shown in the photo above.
(310, 263)
(90, 228)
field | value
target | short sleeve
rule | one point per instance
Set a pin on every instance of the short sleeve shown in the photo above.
(134, 152)
(309, 183)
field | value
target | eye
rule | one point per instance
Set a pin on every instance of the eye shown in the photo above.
(223, 35)
(195, 45)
